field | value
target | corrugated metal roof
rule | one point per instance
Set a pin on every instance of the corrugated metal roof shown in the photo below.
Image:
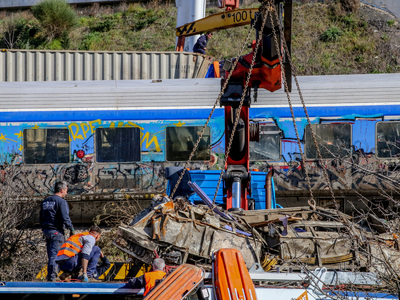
(337, 90)
(48, 65)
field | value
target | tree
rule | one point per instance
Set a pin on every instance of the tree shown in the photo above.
(56, 17)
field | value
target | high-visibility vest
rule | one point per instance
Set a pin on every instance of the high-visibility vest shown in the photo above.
(150, 279)
(72, 246)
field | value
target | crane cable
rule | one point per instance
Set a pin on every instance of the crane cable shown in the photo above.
(311, 201)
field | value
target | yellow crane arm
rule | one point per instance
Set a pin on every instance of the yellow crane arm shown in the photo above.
(223, 20)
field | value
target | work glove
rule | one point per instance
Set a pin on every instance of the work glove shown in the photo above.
(85, 278)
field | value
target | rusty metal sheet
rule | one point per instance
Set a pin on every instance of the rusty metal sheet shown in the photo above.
(197, 240)
(193, 232)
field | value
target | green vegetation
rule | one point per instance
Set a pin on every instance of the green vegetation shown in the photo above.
(56, 19)
(331, 35)
(340, 39)
(331, 38)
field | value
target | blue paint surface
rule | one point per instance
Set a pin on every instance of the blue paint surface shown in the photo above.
(88, 115)
(342, 112)
(208, 180)
(45, 288)
(357, 295)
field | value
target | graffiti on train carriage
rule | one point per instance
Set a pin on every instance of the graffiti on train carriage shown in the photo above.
(94, 158)
(354, 150)
(98, 156)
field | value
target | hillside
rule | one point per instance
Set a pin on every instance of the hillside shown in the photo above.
(327, 38)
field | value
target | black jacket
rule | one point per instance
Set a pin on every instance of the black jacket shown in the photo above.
(54, 214)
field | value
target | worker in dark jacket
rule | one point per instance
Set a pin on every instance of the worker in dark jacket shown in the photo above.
(201, 44)
(54, 217)
(150, 279)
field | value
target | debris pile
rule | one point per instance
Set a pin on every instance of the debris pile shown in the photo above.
(288, 238)
(187, 233)
(301, 237)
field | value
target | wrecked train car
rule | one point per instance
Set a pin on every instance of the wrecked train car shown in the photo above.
(298, 237)
(76, 138)
(289, 238)
(186, 233)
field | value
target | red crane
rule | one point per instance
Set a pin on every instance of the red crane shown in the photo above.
(266, 73)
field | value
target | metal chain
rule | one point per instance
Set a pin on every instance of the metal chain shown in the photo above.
(241, 102)
(212, 111)
(311, 202)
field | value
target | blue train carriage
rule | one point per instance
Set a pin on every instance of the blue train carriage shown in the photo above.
(109, 139)
(355, 119)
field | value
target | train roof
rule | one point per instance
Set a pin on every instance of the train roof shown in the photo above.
(328, 90)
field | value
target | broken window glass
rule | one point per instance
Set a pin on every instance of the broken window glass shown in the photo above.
(334, 140)
(46, 146)
(388, 139)
(269, 145)
(180, 142)
(118, 144)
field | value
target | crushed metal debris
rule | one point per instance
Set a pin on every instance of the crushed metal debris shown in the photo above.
(288, 238)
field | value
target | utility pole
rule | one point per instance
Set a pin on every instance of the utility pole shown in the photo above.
(189, 11)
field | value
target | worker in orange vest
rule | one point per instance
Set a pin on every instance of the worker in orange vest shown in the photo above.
(150, 279)
(79, 252)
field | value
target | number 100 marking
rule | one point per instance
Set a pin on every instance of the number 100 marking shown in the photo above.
(240, 16)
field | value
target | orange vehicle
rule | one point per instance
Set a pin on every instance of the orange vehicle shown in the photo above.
(177, 285)
(231, 279)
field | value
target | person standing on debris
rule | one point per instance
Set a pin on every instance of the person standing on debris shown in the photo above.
(150, 279)
(54, 216)
(79, 252)
(201, 44)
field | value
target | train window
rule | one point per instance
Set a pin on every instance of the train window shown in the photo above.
(334, 140)
(118, 144)
(269, 145)
(46, 146)
(180, 142)
(388, 139)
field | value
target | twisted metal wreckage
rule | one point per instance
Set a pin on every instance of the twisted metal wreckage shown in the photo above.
(286, 239)
(277, 239)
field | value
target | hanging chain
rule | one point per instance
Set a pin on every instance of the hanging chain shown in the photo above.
(257, 46)
(311, 201)
(212, 111)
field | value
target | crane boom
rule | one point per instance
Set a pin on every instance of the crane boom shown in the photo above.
(218, 21)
